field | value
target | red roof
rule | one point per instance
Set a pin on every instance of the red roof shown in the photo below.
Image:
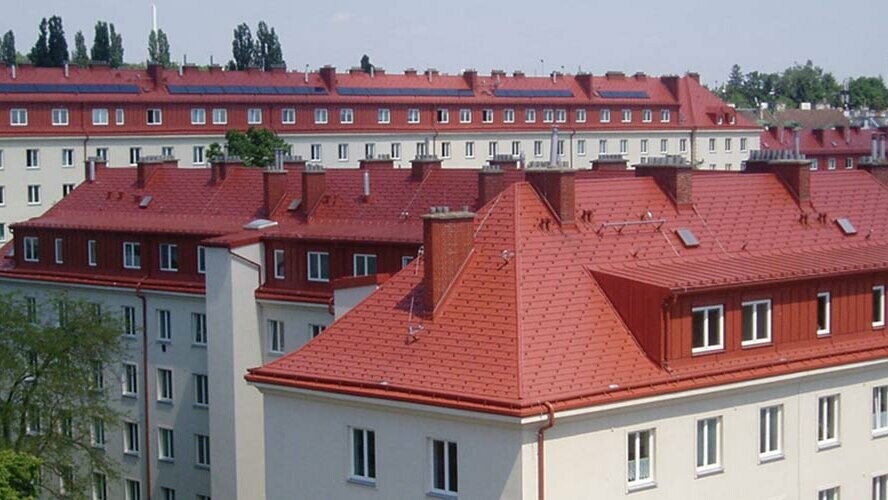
(818, 142)
(536, 327)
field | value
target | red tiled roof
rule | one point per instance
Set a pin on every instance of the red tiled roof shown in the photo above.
(515, 332)
(830, 140)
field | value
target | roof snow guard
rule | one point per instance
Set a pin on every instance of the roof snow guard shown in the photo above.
(397, 92)
(532, 93)
(244, 90)
(623, 94)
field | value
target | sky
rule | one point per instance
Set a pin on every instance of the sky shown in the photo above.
(847, 38)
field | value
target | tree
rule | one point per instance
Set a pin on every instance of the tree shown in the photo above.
(159, 48)
(57, 45)
(7, 48)
(256, 147)
(242, 47)
(869, 92)
(214, 152)
(116, 48)
(267, 48)
(52, 355)
(81, 57)
(366, 65)
(19, 474)
(101, 49)
(39, 54)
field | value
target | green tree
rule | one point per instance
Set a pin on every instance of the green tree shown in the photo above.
(81, 56)
(807, 83)
(53, 356)
(7, 48)
(215, 152)
(366, 65)
(19, 474)
(869, 92)
(267, 48)
(101, 49)
(39, 54)
(242, 47)
(57, 45)
(116, 47)
(159, 48)
(255, 147)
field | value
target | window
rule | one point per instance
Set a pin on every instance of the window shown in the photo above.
(164, 325)
(644, 146)
(315, 152)
(32, 249)
(744, 144)
(67, 157)
(396, 151)
(164, 385)
(470, 149)
(102, 153)
(32, 421)
(198, 116)
(626, 116)
(605, 116)
(756, 322)
(32, 309)
(201, 390)
(369, 150)
(561, 115)
(342, 152)
(315, 329)
(771, 432)
(135, 154)
(406, 260)
(99, 486)
(154, 116)
(413, 115)
(581, 116)
(166, 151)
(169, 257)
(445, 467)
(166, 444)
(640, 458)
(18, 117)
(823, 313)
(581, 147)
(828, 494)
(465, 115)
(709, 444)
(288, 116)
(132, 255)
(34, 194)
(647, 116)
(130, 379)
(665, 116)
(530, 115)
(364, 455)
(880, 409)
(682, 145)
(2, 231)
(201, 259)
(132, 490)
(98, 372)
(383, 115)
(59, 117)
(442, 115)
(346, 115)
(131, 438)
(1, 158)
(275, 336)
(548, 115)
(508, 116)
(168, 493)
(880, 487)
(712, 145)
(879, 305)
(849, 162)
(220, 116)
(708, 328)
(254, 116)
(727, 144)
(445, 150)
(2, 196)
(364, 264)
(199, 328)
(59, 248)
(197, 155)
(129, 320)
(491, 149)
(98, 433)
(664, 145)
(202, 445)
(516, 148)
(32, 158)
(602, 146)
(487, 116)
(119, 116)
(828, 421)
(624, 146)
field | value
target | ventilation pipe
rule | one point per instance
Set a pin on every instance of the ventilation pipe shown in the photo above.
(797, 138)
(66, 70)
(553, 149)
(13, 71)
(882, 147)
(426, 143)
(91, 170)
(366, 183)
(874, 153)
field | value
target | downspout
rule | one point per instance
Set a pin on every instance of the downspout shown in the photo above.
(145, 386)
(572, 134)
(541, 451)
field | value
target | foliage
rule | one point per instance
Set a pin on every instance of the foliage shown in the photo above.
(7, 48)
(265, 51)
(869, 92)
(101, 49)
(39, 54)
(58, 45)
(19, 474)
(116, 47)
(51, 359)
(255, 147)
(366, 65)
(242, 47)
(159, 48)
(81, 56)
(214, 152)
(796, 84)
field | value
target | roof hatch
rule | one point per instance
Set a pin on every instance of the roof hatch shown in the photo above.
(258, 224)
(847, 227)
(687, 237)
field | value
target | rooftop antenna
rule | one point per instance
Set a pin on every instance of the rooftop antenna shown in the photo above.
(154, 17)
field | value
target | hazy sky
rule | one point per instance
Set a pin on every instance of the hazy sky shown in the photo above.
(846, 37)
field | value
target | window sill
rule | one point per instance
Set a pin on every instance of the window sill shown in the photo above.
(706, 350)
(165, 401)
(201, 466)
(878, 326)
(709, 471)
(362, 481)
(879, 433)
(166, 460)
(130, 395)
(823, 334)
(749, 344)
(641, 485)
(828, 445)
(130, 336)
(165, 341)
(134, 454)
(443, 495)
(199, 345)
(771, 457)
(201, 406)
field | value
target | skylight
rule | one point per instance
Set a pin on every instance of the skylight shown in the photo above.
(260, 224)
(687, 237)
(847, 227)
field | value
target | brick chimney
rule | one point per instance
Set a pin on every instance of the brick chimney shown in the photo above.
(421, 165)
(91, 165)
(556, 185)
(294, 163)
(584, 80)
(674, 176)
(148, 165)
(280, 68)
(671, 84)
(845, 132)
(819, 134)
(490, 183)
(328, 75)
(505, 162)
(792, 168)
(313, 186)
(471, 78)
(220, 166)
(448, 238)
(377, 162)
(274, 183)
(155, 72)
(610, 163)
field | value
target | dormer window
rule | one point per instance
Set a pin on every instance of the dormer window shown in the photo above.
(878, 306)
(823, 313)
(169, 257)
(756, 322)
(32, 253)
(708, 328)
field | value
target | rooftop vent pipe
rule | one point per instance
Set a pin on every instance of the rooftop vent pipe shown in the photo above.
(366, 183)
(797, 137)
(874, 153)
(553, 148)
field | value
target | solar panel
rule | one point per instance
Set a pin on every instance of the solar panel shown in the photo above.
(532, 93)
(846, 225)
(623, 94)
(414, 92)
(53, 88)
(687, 237)
(244, 90)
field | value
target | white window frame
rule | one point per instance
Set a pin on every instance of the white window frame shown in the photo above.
(682, 145)
(360, 439)
(346, 116)
(169, 493)
(58, 245)
(60, 117)
(128, 314)
(135, 154)
(624, 146)
(198, 329)
(254, 116)
(665, 116)
(18, 117)
(828, 414)
(32, 158)
(220, 116)
(744, 144)
(396, 150)
(99, 486)
(447, 489)
(164, 325)
(315, 329)
(757, 339)
(445, 149)
(626, 116)
(664, 146)
(154, 116)
(880, 411)
(97, 433)
(707, 347)
(164, 385)
(879, 320)
(712, 144)
(643, 146)
(132, 255)
(442, 115)
(560, 115)
(647, 116)
(470, 149)
(366, 258)
(729, 144)
(581, 147)
(548, 115)
(604, 116)
(201, 259)
(201, 390)
(288, 116)
(602, 146)
(198, 116)
(34, 194)
(406, 260)
(530, 115)
(465, 115)
(487, 115)
(67, 157)
(321, 116)
(342, 151)
(413, 115)
(581, 116)
(636, 438)
(119, 116)
(832, 493)
(770, 424)
(826, 313)
(197, 155)
(319, 276)
(130, 380)
(132, 489)
(31, 245)
(166, 444)
(880, 487)
(202, 451)
(280, 263)
(706, 464)
(276, 336)
(315, 152)
(131, 438)
(383, 116)
(509, 115)
(169, 257)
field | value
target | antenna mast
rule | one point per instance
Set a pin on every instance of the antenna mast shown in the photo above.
(154, 17)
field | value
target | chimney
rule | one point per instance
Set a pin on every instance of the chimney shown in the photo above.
(328, 75)
(148, 165)
(674, 176)
(274, 183)
(366, 179)
(279, 68)
(640, 76)
(410, 72)
(448, 238)
(874, 154)
(694, 76)
(91, 165)
(471, 78)
(189, 68)
(504, 162)
(819, 135)
(421, 165)
(67, 70)
(790, 167)
(377, 162)
(845, 132)
(882, 148)
(671, 84)
(295, 163)
(797, 141)
(220, 166)
(584, 80)
(615, 75)
(610, 163)
(556, 186)
(490, 183)
(155, 72)
(214, 68)
(313, 186)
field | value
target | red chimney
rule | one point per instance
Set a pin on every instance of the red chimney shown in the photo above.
(421, 165)
(818, 135)
(313, 186)
(378, 162)
(448, 238)
(791, 168)
(584, 80)
(671, 84)
(505, 162)
(556, 186)
(610, 163)
(674, 176)
(91, 165)
(471, 78)
(274, 184)
(490, 183)
(155, 72)
(328, 75)
(148, 165)
(294, 163)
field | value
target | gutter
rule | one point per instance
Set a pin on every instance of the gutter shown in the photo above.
(541, 451)
(147, 407)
